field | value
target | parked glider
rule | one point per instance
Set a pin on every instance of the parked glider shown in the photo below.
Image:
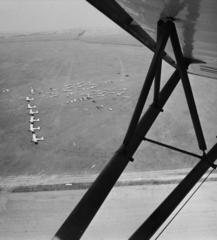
(32, 119)
(35, 139)
(29, 106)
(29, 99)
(191, 28)
(32, 128)
(31, 112)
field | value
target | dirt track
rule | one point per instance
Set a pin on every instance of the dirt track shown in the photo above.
(40, 183)
(38, 215)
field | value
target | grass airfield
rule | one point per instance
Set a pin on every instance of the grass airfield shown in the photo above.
(95, 68)
(109, 68)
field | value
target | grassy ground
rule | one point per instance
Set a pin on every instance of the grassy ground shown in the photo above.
(79, 137)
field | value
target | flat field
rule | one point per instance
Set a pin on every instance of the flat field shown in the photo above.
(86, 85)
(32, 216)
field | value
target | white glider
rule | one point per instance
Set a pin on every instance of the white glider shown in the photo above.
(32, 129)
(35, 139)
(29, 106)
(29, 99)
(32, 119)
(31, 112)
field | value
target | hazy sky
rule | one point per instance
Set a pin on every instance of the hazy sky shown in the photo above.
(48, 15)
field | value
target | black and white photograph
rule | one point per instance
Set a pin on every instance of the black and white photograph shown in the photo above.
(108, 119)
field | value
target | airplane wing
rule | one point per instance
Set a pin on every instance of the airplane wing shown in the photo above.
(195, 22)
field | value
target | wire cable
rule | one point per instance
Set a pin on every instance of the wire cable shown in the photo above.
(184, 204)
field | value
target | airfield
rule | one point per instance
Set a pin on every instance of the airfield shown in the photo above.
(85, 85)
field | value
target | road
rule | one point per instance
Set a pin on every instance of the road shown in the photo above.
(38, 215)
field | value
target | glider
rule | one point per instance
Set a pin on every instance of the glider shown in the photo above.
(184, 34)
(32, 119)
(31, 112)
(29, 99)
(35, 139)
(32, 128)
(30, 107)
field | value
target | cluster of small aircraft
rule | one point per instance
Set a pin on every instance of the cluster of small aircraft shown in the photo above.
(32, 119)
(84, 95)
(83, 91)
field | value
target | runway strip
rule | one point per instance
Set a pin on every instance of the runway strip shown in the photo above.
(39, 183)
(38, 215)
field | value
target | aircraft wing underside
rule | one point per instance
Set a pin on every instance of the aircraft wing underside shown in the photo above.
(195, 22)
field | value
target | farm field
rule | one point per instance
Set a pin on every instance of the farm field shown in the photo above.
(85, 86)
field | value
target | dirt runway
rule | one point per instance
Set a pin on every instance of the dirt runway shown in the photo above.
(39, 215)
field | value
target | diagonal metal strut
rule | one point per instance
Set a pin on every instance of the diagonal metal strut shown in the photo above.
(163, 38)
(160, 26)
(187, 88)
